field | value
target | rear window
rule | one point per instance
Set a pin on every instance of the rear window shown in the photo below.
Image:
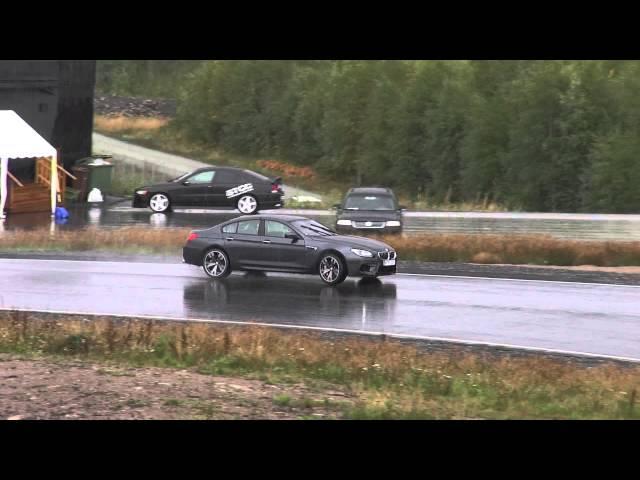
(231, 228)
(254, 175)
(227, 176)
(249, 227)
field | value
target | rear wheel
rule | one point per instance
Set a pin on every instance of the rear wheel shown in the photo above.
(247, 204)
(332, 269)
(215, 263)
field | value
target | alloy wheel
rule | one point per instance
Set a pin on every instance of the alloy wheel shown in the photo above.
(330, 269)
(247, 204)
(215, 263)
(159, 202)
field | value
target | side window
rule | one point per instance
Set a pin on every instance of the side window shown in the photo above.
(276, 229)
(227, 176)
(202, 177)
(231, 228)
(249, 227)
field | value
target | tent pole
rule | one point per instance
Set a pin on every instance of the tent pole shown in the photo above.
(4, 168)
(54, 182)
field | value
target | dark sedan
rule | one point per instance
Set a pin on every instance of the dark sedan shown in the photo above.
(369, 209)
(291, 244)
(213, 187)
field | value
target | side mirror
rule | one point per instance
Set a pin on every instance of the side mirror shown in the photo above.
(337, 206)
(292, 236)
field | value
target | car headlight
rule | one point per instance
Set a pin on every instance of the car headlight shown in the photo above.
(393, 223)
(344, 222)
(141, 192)
(362, 253)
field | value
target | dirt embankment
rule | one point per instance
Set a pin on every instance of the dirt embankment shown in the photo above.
(70, 389)
(115, 106)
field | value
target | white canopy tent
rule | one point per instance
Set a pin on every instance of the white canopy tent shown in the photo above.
(19, 140)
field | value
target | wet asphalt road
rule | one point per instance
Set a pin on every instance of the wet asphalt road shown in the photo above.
(561, 225)
(589, 318)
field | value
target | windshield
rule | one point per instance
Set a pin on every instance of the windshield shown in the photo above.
(369, 202)
(181, 177)
(311, 227)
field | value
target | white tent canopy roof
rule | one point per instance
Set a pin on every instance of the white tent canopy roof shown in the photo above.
(19, 140)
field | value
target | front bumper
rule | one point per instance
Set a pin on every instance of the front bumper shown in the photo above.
(140, 201)
(350, 230)
(369, 267)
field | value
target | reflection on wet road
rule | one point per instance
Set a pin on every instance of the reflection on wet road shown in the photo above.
(591, 318)
(573, 226)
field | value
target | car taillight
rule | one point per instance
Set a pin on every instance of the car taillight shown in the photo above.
(274, 188)
(192, 236)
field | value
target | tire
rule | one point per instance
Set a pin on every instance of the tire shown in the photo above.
(332, 269)
(211, 263)
(159, 202)
(247, 204)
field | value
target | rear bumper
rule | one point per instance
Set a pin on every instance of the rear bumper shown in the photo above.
(271, 202)
(191, 255)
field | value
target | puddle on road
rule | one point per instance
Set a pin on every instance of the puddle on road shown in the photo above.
(121, 215)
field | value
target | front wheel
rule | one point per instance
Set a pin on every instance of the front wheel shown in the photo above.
(159, 203)
(332, 269)
(247, 204)
(215, 263)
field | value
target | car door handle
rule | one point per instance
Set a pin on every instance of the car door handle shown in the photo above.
(311, 248)
(266, 241)
(229, 239)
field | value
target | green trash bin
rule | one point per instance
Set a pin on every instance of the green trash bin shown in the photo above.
(99, 175)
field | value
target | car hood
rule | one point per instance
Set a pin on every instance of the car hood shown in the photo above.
(356, 242)
(159, 186)
(370, 215)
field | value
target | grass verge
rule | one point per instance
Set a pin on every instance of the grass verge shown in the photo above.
(486, 249)
(388, 379)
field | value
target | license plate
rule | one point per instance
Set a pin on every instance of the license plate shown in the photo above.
(388, 263)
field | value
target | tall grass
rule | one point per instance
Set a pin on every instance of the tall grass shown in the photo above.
(514, 249)
(120, 240)
(487, 249)
(389, 379)
(120, 124)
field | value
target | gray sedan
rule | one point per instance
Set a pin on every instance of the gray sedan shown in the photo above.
(280, 243)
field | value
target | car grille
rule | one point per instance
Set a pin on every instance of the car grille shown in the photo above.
(368, 224)
(387, 255)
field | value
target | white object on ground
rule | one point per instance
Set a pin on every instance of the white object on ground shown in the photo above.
(99, 161)
(94, 196)
(306, 198)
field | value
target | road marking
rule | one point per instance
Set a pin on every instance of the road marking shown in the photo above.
(341, 330)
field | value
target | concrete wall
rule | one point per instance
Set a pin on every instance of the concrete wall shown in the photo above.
(56, 98)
